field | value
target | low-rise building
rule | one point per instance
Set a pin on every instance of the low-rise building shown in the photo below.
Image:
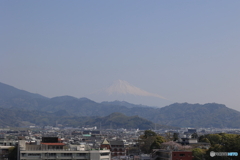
(162, 154)
(55, 150)
(183, 155)
(4, 152)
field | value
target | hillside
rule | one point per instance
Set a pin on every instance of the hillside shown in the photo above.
(178, 114)
(197, 115)
(119, 120)
(7, 91)
(114, 120)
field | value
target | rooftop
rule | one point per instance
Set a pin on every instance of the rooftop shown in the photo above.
(54, 144)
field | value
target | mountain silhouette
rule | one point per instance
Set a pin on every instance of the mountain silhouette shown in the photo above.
(123, 91)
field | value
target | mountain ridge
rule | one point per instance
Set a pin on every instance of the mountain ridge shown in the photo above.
(10, 91)
(177, 114)
(115, 120)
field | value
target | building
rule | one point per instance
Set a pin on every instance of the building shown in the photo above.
(187, 141)
(4, 142)
(162, 154)
(145, 157)
(182, 155)
(105, 144)
(4, 152)
(192, 130)
(50, 149)
(117, 147)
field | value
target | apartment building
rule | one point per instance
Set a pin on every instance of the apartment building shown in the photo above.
(56, 150)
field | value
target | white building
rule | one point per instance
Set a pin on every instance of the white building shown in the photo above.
(48, 151)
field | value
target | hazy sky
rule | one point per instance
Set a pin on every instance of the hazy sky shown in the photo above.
(186, 51)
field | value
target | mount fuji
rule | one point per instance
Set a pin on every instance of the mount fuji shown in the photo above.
(123, 87)
(121, 90)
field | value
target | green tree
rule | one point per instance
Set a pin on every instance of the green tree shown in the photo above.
(215, 148)
(222, 143)
(150, 140)
(231, 142)
(205, 140)
(146, 144)
(198, 154)
(157, 142)
(214, 138)
(149, 133)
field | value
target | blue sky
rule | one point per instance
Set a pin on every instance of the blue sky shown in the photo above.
(186, 51)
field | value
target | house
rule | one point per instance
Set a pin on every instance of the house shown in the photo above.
(117, 147)
(105, 144)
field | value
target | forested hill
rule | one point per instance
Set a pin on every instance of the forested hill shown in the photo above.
(178, 114)
(113, 121)
(197, 115)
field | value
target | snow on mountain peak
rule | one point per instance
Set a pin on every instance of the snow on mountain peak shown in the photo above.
(123, 87)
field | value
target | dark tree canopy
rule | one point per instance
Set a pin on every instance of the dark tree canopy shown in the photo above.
(149, 133)
(150, 140)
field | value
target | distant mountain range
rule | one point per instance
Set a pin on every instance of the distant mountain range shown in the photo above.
(7, 91)
(177, 114)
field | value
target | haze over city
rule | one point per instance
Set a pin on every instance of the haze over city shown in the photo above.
(184, 51)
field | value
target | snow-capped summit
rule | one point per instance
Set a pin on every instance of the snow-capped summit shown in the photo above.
(123, 91)
(123, 87)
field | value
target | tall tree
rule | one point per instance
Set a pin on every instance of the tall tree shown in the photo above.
(198, 153)
(157, 142)
(150, 140)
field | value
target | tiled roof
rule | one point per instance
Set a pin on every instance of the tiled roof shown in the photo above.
(116, 143)
(54, 144)
(105, 141)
